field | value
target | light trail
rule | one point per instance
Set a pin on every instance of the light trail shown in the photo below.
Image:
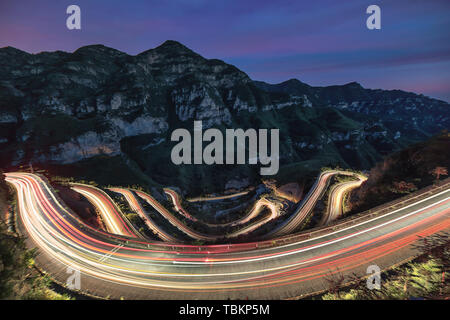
(114, 219)
(136, 207)
(336, 199)
(177, 204)
(308, 203)
(129, 269)
(259, 205)
(215, 198)
(174, 220)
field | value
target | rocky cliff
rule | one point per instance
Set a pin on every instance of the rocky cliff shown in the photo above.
(63, 108)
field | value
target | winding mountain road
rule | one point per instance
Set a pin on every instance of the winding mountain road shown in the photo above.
(136, 207)
(259, 205)
(112, 217)
(118, 266)
(308, 203)
(336, 199)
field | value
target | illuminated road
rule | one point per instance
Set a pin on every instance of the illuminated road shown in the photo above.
(336, 199)
(259, 205)
(112, 217)
(174, 220)
(119, 266)
(256, 209)
(215, 198)
(296, 219)
(136, 207)
(177, 204)
(306, 206)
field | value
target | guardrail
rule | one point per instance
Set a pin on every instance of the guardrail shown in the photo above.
(346, 222)
(366, 215)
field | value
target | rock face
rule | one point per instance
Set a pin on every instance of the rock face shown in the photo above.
(59, 107)
(391, 107)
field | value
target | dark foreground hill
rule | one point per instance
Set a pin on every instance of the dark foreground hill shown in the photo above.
(105, 115)
(413, 168)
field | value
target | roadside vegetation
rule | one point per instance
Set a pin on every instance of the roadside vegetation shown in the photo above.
(426, 277)
(19, 279)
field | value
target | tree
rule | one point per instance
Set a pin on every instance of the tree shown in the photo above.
(439, 171)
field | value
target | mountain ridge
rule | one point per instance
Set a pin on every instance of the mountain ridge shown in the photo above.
(62, 108)
(173, 44)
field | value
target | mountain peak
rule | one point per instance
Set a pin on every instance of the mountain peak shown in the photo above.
(169, 48)
(97, 49)
(172, 43)
(354, 84)
(293, 82)
(173, 46)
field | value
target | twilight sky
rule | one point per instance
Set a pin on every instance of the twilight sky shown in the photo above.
(320, 42)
